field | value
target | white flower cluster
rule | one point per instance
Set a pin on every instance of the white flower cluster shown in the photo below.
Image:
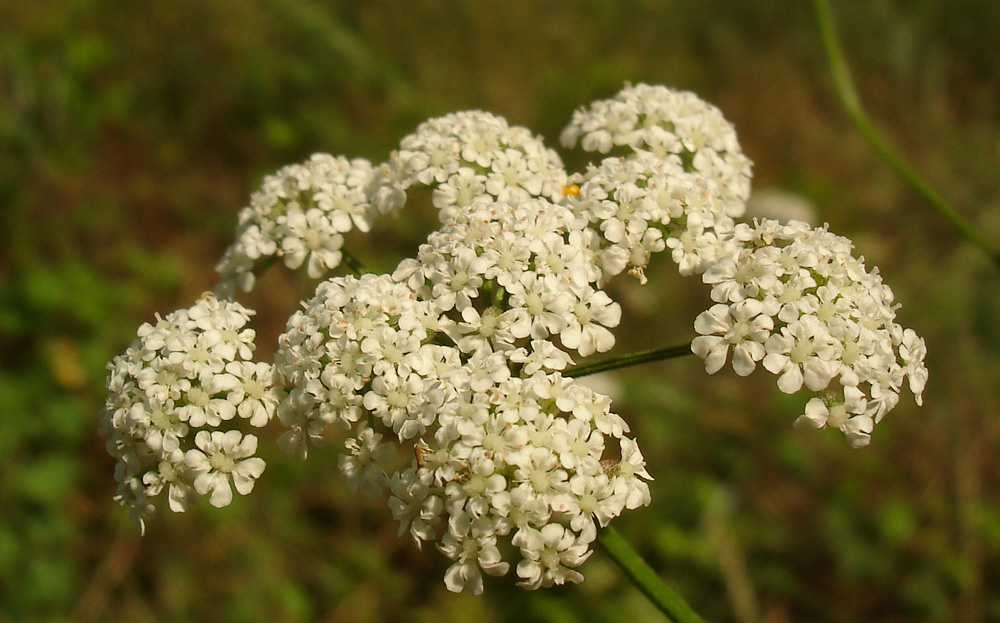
(796, 300)
(174, 399)
(669, 124)
(448, 373)
(506, 274)
(644, 204)
(469, 157)
(300, 214)
(791, 297)
(455, 356)
(502, 445)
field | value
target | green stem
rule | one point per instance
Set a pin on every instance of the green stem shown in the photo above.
(645, 579)
(849, 98)
(633, 359)
(352, 263)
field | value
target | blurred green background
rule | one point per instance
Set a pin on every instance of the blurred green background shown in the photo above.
(132, 132)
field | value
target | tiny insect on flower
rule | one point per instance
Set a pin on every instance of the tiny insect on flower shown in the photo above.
(420, 451)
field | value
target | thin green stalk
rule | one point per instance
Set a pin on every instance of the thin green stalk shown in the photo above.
(632, 359)
(849, 98)
(645, 579)
(352, 263)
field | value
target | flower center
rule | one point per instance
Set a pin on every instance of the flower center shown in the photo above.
(493, 442)
(802, 350)
(392, 353)
(476, 485)
(539, 480)
(580, 447)
(588, 503)
(220, 461)
(549, 558)
(253, 389)
(838, 416)
(534, 304)
(312, 239)
(397, 399)
(198, 397)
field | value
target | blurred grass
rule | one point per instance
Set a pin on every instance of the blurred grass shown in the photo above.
(130, 137)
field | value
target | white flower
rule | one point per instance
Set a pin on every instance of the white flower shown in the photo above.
(170, 474)
(335, 396)
(551, 554)
(542, 471)
(742, 276)
(208, 402)
(461, 189)
(521, 507)
(588, 322)
(487, 330)
(257, 393)
(801, 353)
(457, 282)
(912, 351)
(391, 399)
(219, 457)
(630, 469)
(849, 415)
(578, 445)
(362, 467)
(413, 506)
(742, 326)
(163, 429)
(471, 554)
(590, 497)
(309, 237)
(696, 246)
(541, 303)
(294, 413)
(543, 356)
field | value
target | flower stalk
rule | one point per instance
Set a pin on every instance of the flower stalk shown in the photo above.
(645, 579)
(844, 85)
(632, 359)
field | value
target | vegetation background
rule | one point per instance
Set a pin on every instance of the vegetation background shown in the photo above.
(131, 133)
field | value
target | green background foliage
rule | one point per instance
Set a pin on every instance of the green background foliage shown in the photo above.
(132, 132)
